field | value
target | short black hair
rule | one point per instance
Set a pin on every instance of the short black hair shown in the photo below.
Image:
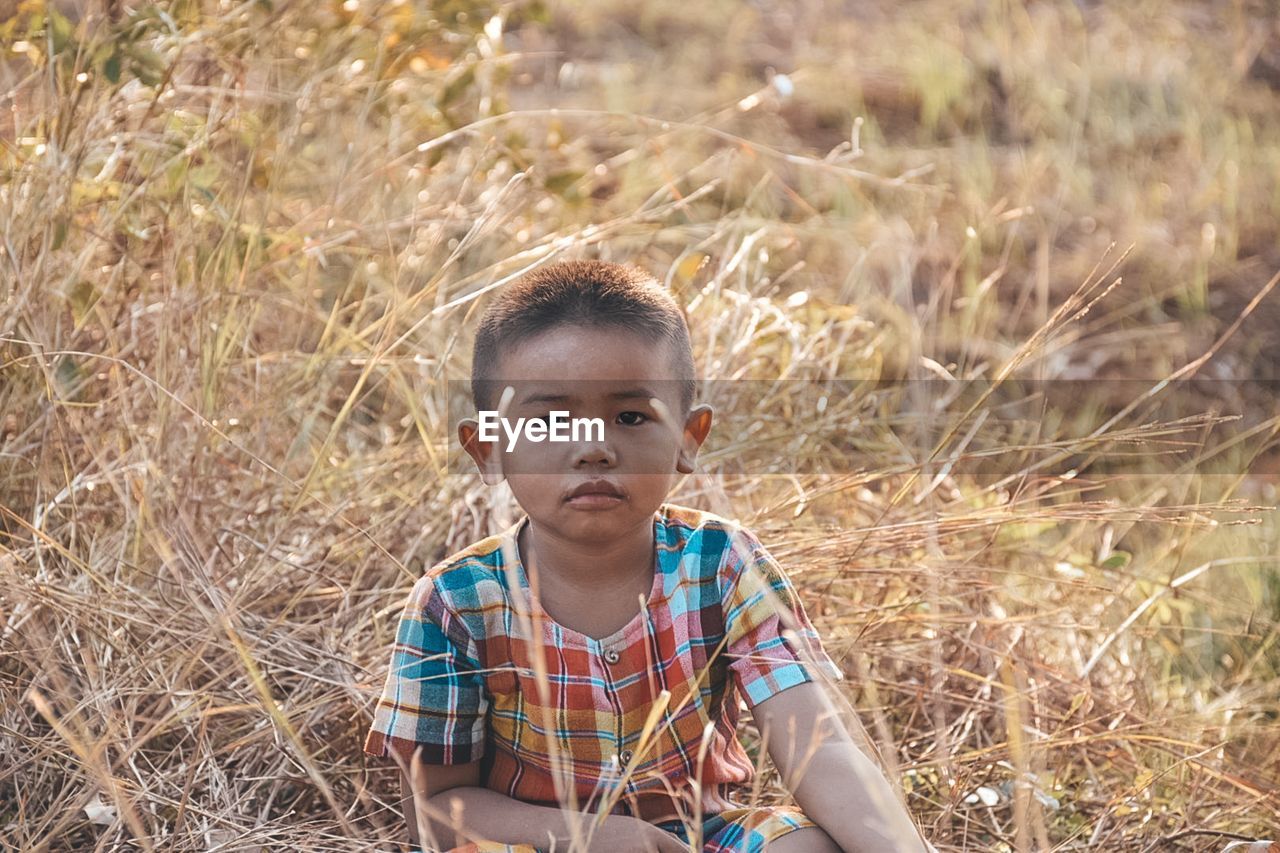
(590, 294)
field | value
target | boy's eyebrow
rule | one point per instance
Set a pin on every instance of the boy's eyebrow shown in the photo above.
(544, 398)
(632, 392)
(628, 394)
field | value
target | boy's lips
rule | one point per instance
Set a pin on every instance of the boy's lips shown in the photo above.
(595, 494)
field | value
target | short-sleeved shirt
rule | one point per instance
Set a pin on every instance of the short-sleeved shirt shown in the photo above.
(722, 621)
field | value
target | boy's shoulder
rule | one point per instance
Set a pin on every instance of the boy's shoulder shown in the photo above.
(687, 524)
(722, 545)
(466, 570)
(469, 584)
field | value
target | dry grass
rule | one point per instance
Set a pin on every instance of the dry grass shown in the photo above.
(238, 264)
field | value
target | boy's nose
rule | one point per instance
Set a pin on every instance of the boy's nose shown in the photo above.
(594, 453)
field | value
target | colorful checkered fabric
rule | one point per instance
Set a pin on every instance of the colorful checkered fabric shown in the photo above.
(722, 621)
(743, 830)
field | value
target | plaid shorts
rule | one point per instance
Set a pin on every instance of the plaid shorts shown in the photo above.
(743, 830)
(480, 672)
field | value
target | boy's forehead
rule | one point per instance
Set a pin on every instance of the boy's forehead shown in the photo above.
(590, 362)
(568, 390)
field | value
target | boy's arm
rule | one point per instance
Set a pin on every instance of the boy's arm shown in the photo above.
(445, 807)
(420, 784)
(833, 781)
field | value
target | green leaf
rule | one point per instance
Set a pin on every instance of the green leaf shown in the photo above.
(82, 298)
(175, 177)
(68, 376)
(111, 68)
(1117, 560)
(560, 182)
(148, 65)
(204, 176)
(60, 30)
(538, 12)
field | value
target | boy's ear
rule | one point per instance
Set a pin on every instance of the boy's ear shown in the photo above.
(485, 454)
(696, 428)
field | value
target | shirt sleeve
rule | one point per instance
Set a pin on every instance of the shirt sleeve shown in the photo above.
(769, 641)
(434, 698)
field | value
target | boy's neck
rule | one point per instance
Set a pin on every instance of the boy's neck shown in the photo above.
(605, 565)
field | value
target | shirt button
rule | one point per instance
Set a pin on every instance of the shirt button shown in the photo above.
(624, 757)
(611, 657)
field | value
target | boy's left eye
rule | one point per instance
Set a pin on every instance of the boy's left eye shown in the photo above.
(632, 418)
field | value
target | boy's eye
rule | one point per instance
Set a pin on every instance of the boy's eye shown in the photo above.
(632, 418)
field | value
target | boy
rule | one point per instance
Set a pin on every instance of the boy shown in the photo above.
(593, 653)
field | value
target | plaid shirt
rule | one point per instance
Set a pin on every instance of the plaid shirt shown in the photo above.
(722, 621)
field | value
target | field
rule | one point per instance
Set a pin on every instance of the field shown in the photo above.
(984, 295)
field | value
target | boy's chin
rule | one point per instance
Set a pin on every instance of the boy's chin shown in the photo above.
(598, 520)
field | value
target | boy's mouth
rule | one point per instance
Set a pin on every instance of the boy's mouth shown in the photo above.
(595, 494)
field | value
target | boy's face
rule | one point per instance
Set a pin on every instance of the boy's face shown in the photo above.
(591, 490)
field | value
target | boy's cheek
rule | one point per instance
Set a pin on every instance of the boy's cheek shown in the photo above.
(529, 458)
(651, 484)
